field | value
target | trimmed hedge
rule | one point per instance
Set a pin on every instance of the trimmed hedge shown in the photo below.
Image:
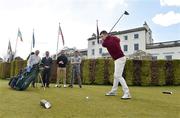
(137, 72)
(85, 73)
(129, 72)
(101, 71)
(5, 70)
(176, 67)
(161, 72)
(146, 73)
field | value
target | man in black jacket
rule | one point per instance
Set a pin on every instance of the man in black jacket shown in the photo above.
(61, 69)
(47, 62)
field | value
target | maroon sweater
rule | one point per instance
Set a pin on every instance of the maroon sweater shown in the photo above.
(112, 44)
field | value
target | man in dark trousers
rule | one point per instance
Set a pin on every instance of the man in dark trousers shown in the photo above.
(112, 44)
(47, 62)
(61, 69)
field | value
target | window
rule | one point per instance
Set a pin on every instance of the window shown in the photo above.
(125, 37)
(92, 52)
(100, 50)
(136, 36)
(168, 57)
(125, 47)
(93, 43)
(154, 57)
(136, 46)
(100, 41)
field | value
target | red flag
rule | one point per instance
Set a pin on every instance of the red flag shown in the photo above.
(60, 33)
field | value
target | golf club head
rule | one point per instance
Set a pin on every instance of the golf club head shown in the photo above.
(45, 104)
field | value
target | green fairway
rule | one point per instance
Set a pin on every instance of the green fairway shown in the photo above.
(146, 102)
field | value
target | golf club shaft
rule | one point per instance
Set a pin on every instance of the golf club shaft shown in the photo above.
(116, 23)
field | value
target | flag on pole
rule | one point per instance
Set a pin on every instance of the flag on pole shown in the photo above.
(9, 53)
(60, 33)
(9, 48)
(20, 34)
(33, 40)
(97, 35)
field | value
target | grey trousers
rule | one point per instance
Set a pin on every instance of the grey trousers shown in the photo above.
(75, 74)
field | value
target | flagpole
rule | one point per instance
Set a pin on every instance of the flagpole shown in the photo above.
(32, 42)
(57, 42)
(97, 35)
(15, 48)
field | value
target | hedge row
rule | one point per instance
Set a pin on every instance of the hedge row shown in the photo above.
(100, 71)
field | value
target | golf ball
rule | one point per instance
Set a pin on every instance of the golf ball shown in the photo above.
(87, 97)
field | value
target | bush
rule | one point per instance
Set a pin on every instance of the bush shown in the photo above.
(111, 71)
(85, 69)
(176, 69)
(4, 70)
(129, 72)
(154, 73)
(161, 72)
(146, 73)
(101, 71)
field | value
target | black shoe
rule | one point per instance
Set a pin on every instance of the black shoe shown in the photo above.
(47, 85)
(71, 86)
(80, 86)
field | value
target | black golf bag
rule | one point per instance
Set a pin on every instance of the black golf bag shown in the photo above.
(24, 78)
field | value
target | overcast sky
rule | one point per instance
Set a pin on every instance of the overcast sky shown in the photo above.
(78, 21)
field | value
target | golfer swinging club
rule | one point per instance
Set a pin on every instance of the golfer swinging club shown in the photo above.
(112, 44)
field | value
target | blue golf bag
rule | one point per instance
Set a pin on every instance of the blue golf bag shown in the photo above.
(24, 78)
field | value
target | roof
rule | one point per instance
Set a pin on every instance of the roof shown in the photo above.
(163, 44)
(123, 32)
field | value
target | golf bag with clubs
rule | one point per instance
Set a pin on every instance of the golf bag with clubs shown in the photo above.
(24, 78)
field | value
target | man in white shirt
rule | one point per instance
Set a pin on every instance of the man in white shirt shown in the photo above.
(33, 60)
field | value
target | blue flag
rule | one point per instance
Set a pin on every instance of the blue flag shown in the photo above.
(33, 40)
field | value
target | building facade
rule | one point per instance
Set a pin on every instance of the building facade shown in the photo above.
(133, 40)
(164, 50)
(69, 52)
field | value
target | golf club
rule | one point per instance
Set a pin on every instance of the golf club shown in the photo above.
(125, 13)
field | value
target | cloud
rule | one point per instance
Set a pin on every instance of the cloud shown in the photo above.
(111, 5)
(167, 19)
(170, 2)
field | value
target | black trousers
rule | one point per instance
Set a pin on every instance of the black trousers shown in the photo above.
(46, 76)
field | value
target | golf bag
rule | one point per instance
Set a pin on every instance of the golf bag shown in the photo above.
(24, 78)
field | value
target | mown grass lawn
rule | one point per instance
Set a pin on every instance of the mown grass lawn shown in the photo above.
(147, 102)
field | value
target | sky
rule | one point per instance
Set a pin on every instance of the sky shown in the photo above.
(78, 21)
